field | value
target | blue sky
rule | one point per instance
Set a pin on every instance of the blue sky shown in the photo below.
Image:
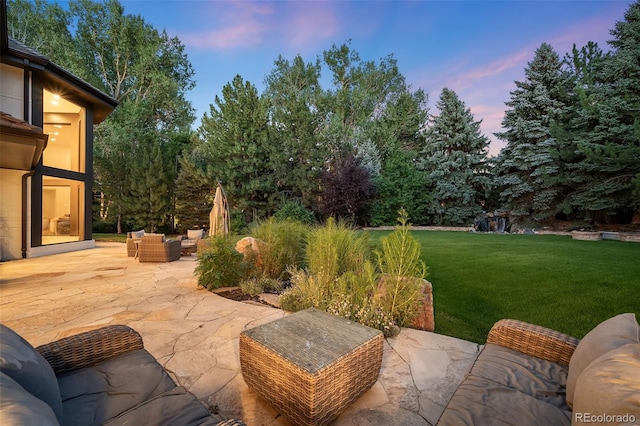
(476, 48)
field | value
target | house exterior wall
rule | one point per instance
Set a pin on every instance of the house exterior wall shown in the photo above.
(12, 91)
(12, 102)
(27, 77)
(10, 214)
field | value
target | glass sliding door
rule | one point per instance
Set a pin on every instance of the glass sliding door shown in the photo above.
(62, 210)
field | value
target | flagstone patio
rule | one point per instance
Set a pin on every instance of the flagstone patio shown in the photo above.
(195, 333)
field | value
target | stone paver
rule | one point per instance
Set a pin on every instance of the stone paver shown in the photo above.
(195, 333)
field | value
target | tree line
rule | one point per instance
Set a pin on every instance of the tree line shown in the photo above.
(360, 148)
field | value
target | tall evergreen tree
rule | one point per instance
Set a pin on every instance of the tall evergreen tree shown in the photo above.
(236, 140)
(194, 189)
(580, 70)
(455, 158)
(528, 166)
(607, 129)
(401, 185)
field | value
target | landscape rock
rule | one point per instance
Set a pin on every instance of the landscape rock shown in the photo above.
(250, 249)
(425, 320)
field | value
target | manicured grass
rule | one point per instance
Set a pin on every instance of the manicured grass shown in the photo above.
(553, 281)
(111, 238)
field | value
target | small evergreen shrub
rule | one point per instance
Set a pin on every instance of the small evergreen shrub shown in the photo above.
(403, 272)
(294, 210)
(220, 265)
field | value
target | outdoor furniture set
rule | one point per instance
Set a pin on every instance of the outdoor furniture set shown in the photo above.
(98, 377)
(311, 365)
(157, 248)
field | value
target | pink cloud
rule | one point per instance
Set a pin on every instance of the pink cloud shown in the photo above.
(250, 24)
(235, 24)
(245, 34)
(595, 29)
(516, 60)
(311, 23)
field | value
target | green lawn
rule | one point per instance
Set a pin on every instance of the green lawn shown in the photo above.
(113, 238)
(552, 281)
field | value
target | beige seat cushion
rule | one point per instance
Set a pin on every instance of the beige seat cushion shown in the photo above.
(610, 386)
(195, 234)
(608, 335)
(479, 402)
(505, 387)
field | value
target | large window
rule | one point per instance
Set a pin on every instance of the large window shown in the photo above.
(62, 210)
(64, 123)
(63, 199)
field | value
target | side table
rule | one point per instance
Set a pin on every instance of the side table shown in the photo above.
(310, 365)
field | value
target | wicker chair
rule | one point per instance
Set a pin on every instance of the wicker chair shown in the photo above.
(155, 248)
(97, 354)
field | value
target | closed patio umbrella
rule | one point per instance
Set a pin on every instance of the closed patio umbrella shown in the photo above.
(219, 223)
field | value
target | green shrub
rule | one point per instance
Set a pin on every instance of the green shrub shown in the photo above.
(271, 285)
(294, 210)
(335, 248)
(341, 278)
(220, 265)
(252, 287)
(307, 291)
(282, 245)
(403, 273)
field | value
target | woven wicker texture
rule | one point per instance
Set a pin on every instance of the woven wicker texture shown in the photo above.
(131, 247)
(154, 248)
(310, 365)
(533, 340)
(90, 348)
(231, 422)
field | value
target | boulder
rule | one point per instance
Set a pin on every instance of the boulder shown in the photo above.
(250, 249)
(424, 320)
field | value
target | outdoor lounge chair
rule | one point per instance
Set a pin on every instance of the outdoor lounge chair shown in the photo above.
(102, 376)
(155, 248)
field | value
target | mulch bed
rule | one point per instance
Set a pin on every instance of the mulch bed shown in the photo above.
(237, 295)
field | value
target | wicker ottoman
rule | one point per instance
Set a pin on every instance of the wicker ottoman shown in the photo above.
(310, 365)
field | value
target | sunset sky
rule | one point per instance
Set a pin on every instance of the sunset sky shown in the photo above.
(476, 48)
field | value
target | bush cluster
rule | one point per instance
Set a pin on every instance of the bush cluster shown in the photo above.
(332, 267)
